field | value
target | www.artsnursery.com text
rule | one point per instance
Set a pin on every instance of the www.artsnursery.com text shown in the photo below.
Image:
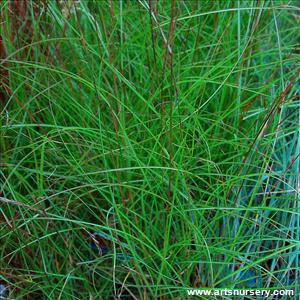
(239, 292)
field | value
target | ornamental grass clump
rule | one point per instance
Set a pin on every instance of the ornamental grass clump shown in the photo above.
(148, 147)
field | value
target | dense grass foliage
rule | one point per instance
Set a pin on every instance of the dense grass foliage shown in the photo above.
(149, 147)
